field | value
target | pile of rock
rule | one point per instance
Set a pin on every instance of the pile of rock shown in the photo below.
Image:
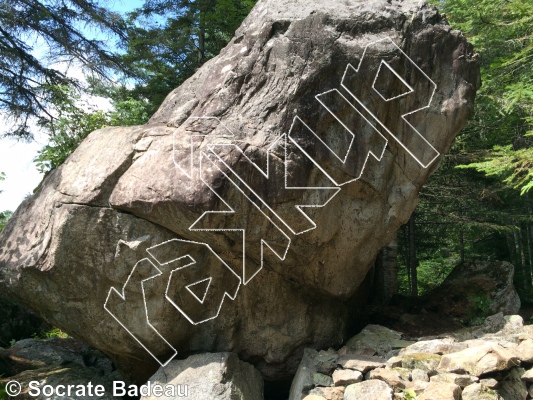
(377, 364)
(489, 362)
(56, 361)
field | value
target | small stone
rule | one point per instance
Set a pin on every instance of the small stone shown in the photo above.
(360, 363)
(343, 351)
(314, 397)
(329, 393)
(513, 324)
(345, 377)
(378, 338)
(491, 383)
(419, 375)
(394, 362)
(368, 390)
(391, 377)
(406, 373)
(425, 361)
(322, 380)
(418, 386)
(478, 391)
(459, 380)
(441, 391)
(528, 376)
(524, 351)
(365, 352)
(326, 362)
(495, 322)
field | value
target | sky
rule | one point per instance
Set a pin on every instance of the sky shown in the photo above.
(16, 158)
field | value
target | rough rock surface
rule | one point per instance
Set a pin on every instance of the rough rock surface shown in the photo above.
(477, 391)
(441, 391)
(314, 364)
(479, 360)
(220, 376)
(329, 393)
(126, 190)
(369, 390)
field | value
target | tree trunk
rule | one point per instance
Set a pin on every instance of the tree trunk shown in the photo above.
(412, 256)
(462, 240)
(526, 246)
(519, 263)
(385, 284)
(530, 242)
(462, 244)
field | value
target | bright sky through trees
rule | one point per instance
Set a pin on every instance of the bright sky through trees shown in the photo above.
(16, 158)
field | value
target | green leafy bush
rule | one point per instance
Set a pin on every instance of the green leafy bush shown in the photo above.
(52, 333)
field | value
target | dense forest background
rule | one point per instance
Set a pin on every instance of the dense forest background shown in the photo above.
(477, 206)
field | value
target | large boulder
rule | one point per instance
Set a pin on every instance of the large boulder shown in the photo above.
(188, 234)
(486, 288)
(219, 376)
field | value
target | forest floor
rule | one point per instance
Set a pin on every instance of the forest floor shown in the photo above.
(413, 324)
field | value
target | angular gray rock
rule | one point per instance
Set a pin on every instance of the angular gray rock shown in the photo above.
(368, 390)
(419, 375)
(345, 377)
(513, 387)
(220, 376)
(479, 360)
(390, 376)
(441, 391)
(315, 369)
(425, 361)
(328, 393)
(457, 379)
(381, 340)
(479, 391)
(361, 363)
(183, 188)
(524, 351)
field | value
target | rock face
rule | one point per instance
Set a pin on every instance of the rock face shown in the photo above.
(196, 220)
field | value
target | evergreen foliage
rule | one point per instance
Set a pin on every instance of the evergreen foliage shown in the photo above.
(37, 34)
(472, 207)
